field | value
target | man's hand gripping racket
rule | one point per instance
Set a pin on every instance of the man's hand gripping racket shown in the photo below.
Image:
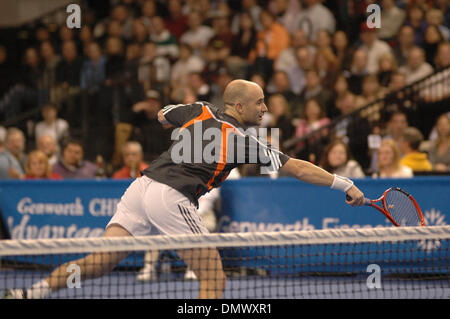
(396, 204)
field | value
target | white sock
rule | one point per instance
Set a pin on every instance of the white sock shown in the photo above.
(39, 290)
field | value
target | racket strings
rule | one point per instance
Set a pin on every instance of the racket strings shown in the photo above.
(402, 209)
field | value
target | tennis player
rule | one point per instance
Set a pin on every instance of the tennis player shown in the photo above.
(164, 199)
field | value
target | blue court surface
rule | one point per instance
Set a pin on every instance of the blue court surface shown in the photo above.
(124, 285)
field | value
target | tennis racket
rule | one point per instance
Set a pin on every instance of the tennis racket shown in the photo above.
(398, 206)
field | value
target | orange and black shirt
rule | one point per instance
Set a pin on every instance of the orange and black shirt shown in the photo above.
(208, 144)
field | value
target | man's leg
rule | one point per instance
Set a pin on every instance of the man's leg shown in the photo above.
(92, 266)
(207, 265)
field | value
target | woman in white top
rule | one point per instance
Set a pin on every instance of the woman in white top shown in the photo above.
(336, 159)
(389, 162)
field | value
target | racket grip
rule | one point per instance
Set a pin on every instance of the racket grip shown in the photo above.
(366, 200)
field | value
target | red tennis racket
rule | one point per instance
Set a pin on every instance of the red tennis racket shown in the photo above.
(398, 206)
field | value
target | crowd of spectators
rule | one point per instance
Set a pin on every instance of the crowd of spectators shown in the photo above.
(100, 87)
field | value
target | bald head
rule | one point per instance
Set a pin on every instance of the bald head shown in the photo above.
(47, 144)
(244, 100)
(237, 91)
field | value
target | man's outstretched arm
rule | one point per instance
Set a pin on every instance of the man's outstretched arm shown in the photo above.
(312, 174)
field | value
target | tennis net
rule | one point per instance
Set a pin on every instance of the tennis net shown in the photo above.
(403, 262)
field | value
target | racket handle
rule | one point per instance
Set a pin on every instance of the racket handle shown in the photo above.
(366, 200)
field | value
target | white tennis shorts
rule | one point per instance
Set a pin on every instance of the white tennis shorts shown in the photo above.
(150, 208)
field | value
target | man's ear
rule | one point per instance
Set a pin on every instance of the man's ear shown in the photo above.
(239, 107)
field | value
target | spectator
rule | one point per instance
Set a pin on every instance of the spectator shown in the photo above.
(405, 42)
(48, 145)
(13, 158)
(32, 71)
(439, 153)
(287, 60)
(72, 165)
(433, 38)
(130, 68)
(287, 13)
(218, 88)
(314, 17)
(52, 125)
(326, 64)
(323, 41)
(371, 92)
(443, 56)
(186, 64)
(146, 127)
(410, 141)
(38, 167)
(416, 68)
(434, 17)
(139, 34)
(3, 133)
(199, 86)
(358, 70)
(223, 36)
(373, 47)
(313, 89)
(444, 6)
(85, 37)
(342, 50)
(313, 119)
(50, 63)
(148, 12)
(397, 99)
(203, 7)
(252, 7)
(166, 43)
(243, 43)
(93, 70)
(122, 15)
(387, 66)
(132, 161)
(6, 70)
(216, 56)
(281, 85)
(392, 18)
(354, 130)
(115, 60)
(42, 34)
(259, 79)
(398, 122)
(278, 116)
(272, 39)
(341, 89)
(389, 162)
(297, 73)
(416, 20)
(198, 35)
(154, 70)
(336, 159)
(176, 22)
(69, 68)
(65, 34)
(114, 30)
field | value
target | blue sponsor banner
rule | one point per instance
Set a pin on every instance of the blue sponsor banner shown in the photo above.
(82, 208)
(284, 204)
(59, 209)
